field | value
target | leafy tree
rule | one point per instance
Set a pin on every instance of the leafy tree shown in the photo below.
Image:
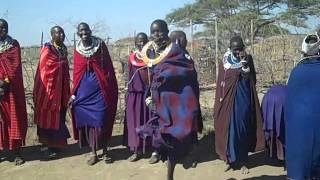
(235, 16)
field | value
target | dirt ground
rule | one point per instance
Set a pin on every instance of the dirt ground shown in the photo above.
(72, 165)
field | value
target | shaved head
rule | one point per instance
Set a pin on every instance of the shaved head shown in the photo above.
(159, 32)
(237, 46)
(180, 38)
(84, 32)
(236, 42)
(55, 28)
(142, 35)
(140, 40)
(4, 22)
(57, 35)
(163, 24)
(4, 28)
(83, 24)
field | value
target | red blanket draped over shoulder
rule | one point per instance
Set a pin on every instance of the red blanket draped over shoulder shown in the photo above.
(13, 127)
(51, 88)
(102, 66)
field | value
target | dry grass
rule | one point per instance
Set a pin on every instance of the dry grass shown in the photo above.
(274, 58)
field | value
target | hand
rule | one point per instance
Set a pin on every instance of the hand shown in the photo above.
(4, 84)
(150, 104)
(148, 101)
(243, 58)
(70, 102)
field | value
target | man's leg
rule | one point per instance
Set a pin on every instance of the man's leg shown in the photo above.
(171, 167)
(106, 156)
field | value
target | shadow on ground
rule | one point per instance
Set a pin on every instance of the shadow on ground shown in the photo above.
(264, 177)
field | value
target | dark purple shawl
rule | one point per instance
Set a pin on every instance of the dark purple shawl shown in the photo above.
(273, 105)
(175, 92)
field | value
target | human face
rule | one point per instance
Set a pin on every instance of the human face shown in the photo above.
(58, 35)
(237, 48)
(159, 33)
(3, 30)
(141, 41)
(238, 52)
(84, 32)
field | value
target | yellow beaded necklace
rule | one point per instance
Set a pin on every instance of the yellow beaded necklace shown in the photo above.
(149, 61)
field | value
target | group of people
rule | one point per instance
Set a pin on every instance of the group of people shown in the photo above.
(93, 98)
(163, 114)
(162, 110)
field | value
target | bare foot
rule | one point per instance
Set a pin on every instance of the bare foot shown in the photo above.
(244, 170)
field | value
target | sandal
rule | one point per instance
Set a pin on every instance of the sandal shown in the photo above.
(134, 157)
(51, 154)
(154, 158)
(92, 160)
(227, 167)
(18, 160)
(107, 159)
(244, 170)
(194, 163)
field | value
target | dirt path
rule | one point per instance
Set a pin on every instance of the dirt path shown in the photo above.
(72, 166)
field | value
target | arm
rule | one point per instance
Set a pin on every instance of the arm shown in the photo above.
(248, 69)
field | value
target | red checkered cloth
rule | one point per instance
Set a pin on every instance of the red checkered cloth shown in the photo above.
(13, 127)
(51, 88)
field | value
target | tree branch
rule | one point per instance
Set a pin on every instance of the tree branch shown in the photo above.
(267, 22)
(268, 6)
